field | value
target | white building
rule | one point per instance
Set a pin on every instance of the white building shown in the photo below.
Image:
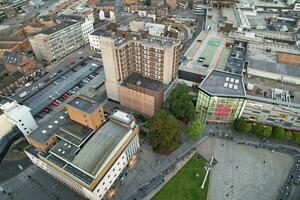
(155, 29)
(101, 15)
(87, 160)
(94, 39)
(12, 114)
(87, 28)
(112, 16)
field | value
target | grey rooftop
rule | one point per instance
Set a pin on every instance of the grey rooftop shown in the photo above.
(223, 83)
(84, 104)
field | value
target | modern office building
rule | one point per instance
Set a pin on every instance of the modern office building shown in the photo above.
(12, 114)
(221, 98)
(58, 41)
(155, 59)
(86, 157)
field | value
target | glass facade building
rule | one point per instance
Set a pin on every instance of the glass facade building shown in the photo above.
(216, 109)
(221, 98)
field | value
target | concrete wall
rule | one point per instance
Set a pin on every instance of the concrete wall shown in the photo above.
(6, 125)
(110, 63)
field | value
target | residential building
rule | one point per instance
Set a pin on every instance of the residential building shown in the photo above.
(154, 58)
(87, 160)
(221, 98)
(87, 26)
(58, 41)
(12, 114)
(25, 64)
(171, 3)
(14, 43)
(94, 39)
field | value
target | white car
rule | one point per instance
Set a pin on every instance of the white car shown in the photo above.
(28, 84)
(34, 88)
(41, 84)
(52, 75)
(24, 94)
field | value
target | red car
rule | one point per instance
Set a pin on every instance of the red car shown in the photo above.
(66, 95)
(55, 103)
(46, 110)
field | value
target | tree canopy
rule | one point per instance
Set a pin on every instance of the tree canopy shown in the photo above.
(279, 133)
(258, 129)
(240, 125)
(164, 132)
(181, 104)
(194, 129)
(297, 137)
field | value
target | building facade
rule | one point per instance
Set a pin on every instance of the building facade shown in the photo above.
(153, 58)
(87, 160)
(58, 41)
(221, 98)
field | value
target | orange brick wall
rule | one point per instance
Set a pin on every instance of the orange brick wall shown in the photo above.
(290, 59)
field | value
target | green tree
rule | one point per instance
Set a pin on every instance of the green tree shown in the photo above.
(297, 137)
(194, 129)
(164, 132)
(289, 135)
(258, 129)
(267, 131)
(181, 102)
(240, 125)
(279, 133)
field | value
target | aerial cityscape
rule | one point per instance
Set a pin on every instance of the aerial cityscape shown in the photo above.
(150, 99)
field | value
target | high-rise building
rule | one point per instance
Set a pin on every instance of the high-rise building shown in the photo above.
(88, 159)
(141, 58)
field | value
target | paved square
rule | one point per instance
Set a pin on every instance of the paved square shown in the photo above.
(247, 173)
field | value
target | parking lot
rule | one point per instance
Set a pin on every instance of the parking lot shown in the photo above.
(63, 87)
(246, 172)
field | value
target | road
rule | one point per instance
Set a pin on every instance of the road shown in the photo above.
(61, 65)
(44, 97)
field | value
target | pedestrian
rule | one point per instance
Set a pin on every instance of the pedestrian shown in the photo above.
(231, 186)
(237, 167)
(264, 162)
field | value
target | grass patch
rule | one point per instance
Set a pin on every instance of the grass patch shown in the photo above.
(185, 185)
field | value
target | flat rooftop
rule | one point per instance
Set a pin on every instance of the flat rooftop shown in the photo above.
(140, 81)
(84, 104)
(262, 87)
(274, 67)
(163, 42)
(257, 51)
(61, 125)
(97, 32)
(101, 145)
(221, 83)
(57, 28)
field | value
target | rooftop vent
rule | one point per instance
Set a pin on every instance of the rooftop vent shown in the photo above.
(227, 78)
(226, 84)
